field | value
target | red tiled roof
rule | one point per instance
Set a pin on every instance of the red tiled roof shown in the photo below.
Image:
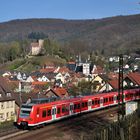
(112, 75)
(98, 70)
(47, 70)
(39, 83)
(135, 77)
(60, 91)
(78, 75)
(63, 69)
(113, 83)
(34, 78)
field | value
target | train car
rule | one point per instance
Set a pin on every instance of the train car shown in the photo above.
(43, 111)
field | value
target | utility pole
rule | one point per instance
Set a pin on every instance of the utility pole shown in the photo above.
(121, 111)
(120, 90)
(20, 90)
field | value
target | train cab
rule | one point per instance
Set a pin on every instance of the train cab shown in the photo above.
(25, 115)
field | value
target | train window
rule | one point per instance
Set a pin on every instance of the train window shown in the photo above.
(85, 104)
(44, 113)
(67, 108)
(110, 99)
(49, 112)
(97, 102)
(58, 110)
(105, 100)
(63, 109)
(75, 107)
(78, 106)
(93, 102)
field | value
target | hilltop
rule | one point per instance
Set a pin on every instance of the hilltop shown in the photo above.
(114, 33)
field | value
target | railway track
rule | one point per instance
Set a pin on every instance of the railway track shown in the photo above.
(70, 127)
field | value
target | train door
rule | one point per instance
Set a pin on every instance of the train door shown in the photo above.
(53, 112)
(115, 99)
(37, 115)
(89, 104)
(101, 102)
(71, 108)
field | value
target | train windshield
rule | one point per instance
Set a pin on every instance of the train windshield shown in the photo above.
(25, 110)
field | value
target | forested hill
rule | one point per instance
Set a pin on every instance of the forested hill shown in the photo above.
(114, 32)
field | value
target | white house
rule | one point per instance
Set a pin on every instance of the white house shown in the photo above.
(43, 79)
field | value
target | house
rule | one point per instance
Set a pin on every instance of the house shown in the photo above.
(62, 70)
(132, 79)
(41, 86)
(7, 102)
(60, 76)
(43, 79)
(6, 74)
(71, 65)
(76, 78)
(30, 79)
(86, 68)
(97, 70)
(21, 76)
(104, 83)
(25, 87)
(57, 92)
(114, 59)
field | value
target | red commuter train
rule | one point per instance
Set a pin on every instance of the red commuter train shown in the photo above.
(43, 111)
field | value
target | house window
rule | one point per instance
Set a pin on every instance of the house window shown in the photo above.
(2, 105)
(7, 114)
(12, 113)
(8, 94)
(1, 116)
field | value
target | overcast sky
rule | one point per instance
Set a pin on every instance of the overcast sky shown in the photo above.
(66, 9)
